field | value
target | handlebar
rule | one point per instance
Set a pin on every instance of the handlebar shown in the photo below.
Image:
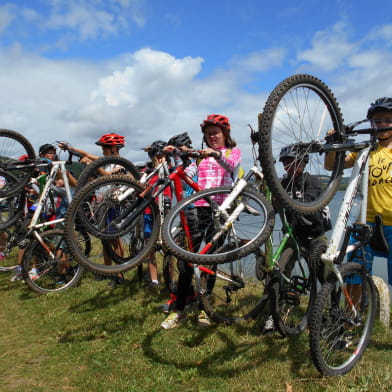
(67, 147)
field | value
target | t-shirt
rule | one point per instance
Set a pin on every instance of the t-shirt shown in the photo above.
(212, 172)
(380, 185)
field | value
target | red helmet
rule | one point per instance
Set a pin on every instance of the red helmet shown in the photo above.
(216, 119)
(111, 139)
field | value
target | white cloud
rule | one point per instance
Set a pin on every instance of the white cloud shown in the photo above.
(74, 19)
(329, 48)
(261, 60)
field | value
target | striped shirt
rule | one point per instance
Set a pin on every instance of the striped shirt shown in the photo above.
(212, 172)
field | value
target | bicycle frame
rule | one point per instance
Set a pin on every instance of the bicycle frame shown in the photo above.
(35, 224)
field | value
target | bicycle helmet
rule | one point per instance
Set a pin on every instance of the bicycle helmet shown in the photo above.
(180, 140)
(111, 140)
(216, 119)
(156, 148)
(383, 104)
(45, 148)
(292, 151)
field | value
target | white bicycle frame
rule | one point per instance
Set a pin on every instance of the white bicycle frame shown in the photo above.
(358, 179)
(56, 166)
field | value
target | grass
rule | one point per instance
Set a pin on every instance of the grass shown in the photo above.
(94, 338)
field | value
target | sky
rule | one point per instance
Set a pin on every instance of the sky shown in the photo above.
(73, 70)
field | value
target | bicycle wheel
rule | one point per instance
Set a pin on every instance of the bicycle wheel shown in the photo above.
(299, 112)
(95, 208)
(340, 332)
(14, 172)
(233, 293)
(53, 271)
(91, 171)
(219, 237)
(293, 294)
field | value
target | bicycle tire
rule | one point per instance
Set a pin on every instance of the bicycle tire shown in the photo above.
(292, 299)
(89, 214)
(91, 170)
(14, 146)
(300, 110)
(55, 274)
(226, 302)
(337, 338)
(243, 236)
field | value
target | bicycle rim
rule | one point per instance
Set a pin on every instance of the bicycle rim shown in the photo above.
(300, 111)
(338, 337)
(233, 293)
(14, 147)
(211, 245)
(56, 272)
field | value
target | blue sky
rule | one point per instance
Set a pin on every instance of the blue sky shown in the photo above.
(150, 69)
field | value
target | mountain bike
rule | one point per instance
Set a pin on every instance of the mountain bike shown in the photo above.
(39, 237)
(280, 278)
(299, 112)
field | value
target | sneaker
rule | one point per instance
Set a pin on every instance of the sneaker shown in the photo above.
(269, 326)
(203, 320)
(174, 320)
(16, 276)
(2, 256)
(33, 274)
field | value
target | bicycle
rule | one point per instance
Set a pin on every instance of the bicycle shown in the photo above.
(282, 278)
(42, 244)
(300, 111)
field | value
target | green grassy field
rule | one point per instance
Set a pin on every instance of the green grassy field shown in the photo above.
(94, 338)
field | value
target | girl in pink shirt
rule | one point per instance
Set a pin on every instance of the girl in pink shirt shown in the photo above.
(221, 160)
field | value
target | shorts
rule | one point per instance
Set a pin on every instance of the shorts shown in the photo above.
(148, 225)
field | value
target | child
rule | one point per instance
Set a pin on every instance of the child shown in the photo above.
(215, 169)
(157, 156)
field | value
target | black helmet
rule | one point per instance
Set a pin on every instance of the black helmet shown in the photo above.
(180, 140)
(156, 148)
(292, 151)
(383, 104)
(45, 148)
